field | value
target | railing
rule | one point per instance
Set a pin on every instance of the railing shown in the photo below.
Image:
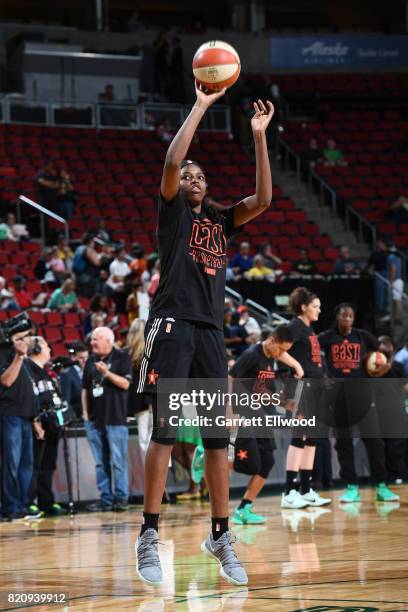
(43, 213)
(17, 109)
(234, 295)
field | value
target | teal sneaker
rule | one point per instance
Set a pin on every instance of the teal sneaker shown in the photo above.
(384, 494)
(245, 516)
(351, 495)
(197, 465)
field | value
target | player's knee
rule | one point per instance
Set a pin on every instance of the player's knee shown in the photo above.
(267, 463)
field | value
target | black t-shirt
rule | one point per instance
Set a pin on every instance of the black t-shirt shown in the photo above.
(192, 251)
(19, 399)
(306, 349)
(345, 354)
(48, 193)
(107, 403)
(304, 267)
(253, 364)
(47, 390)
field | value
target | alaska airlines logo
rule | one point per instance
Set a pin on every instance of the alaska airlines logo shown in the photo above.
(319, 48)
(208, 245)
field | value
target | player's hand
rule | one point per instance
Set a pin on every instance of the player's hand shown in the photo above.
(38, 430)
(380, 370)
(290, 404)
(263, 115)
(299, 372)
(204, 99)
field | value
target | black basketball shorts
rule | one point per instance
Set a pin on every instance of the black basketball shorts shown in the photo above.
(179, 349)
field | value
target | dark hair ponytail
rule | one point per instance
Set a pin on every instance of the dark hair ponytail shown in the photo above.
(299, 297)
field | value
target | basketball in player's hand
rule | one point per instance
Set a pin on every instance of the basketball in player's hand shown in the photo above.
(216, 64)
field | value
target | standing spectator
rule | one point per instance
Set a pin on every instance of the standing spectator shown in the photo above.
(105, 386)
(64, 299)
(86, 266)
(67, 195)
(138, 404)
(332, 155)
(118, 270)
(17, 413)
(71, 378)
(101, 231)
(394, 272)
(378, 260)
(242, 261)
(21, 294)
(47, 431)
(259, 271)
(401, 357)
(346, 264)
(48, 186)
(398, 210)
(304, 265)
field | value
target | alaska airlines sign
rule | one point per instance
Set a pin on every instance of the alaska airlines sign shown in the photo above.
(338, 51)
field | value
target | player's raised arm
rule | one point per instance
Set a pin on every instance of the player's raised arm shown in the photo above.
(177, 151)
(253, 205)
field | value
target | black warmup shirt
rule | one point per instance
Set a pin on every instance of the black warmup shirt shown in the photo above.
(345, 354)
(19, 399)
(253, 364)
(192, 251)
(107, 403)
(306, 349)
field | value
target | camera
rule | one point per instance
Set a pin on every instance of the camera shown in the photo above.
(19, 323)
(62, 363)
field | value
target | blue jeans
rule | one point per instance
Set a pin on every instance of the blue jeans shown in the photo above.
(17, 463)
(109, 446)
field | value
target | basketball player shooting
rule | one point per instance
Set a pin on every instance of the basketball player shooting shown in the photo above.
(184, 335)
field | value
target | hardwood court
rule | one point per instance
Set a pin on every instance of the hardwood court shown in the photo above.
(351, 559)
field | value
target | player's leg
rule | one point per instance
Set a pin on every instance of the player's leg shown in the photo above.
(244, 514)
(169, 347)
(306, 475)
(291, 498)
(210, 362)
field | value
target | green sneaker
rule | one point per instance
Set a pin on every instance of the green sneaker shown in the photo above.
(351, 495)
(34, 508)
(197, 465)
(245, 516)
(384, 494)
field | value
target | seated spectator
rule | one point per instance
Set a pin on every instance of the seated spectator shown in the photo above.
(99, 304)
(304, 265)
(132, 303)
(97, 319)
(164, 132)
(101, 232)
(398, 211)
(48, 186)
(64, 299)
(7, 298)
(332, 155)
(346, 264)
(5, 231)
(312, 156)
(259, 270)
(250, 324)
(18, 231)
(65, 252)
(67, 195)
(42, 269)
(154, 280)
(270, 258)
(242, 261)
(57, 265)
(22, 296)
(118, 270)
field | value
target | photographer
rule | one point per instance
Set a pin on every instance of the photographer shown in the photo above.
(46, 430)
(17, 411)
(70, 377)
(105, 387)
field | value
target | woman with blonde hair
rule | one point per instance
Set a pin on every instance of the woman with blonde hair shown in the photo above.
(138, 404)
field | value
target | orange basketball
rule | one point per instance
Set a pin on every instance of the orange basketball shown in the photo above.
(216, 64)
(373, 360)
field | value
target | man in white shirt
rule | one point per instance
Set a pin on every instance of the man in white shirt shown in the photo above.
(118, 270)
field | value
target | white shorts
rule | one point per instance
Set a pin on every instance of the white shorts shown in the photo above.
(397, 289)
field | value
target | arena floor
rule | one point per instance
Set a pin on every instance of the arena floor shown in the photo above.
(353, 559)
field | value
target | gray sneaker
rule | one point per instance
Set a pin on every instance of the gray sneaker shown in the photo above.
(148, 565)
(223, 551)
